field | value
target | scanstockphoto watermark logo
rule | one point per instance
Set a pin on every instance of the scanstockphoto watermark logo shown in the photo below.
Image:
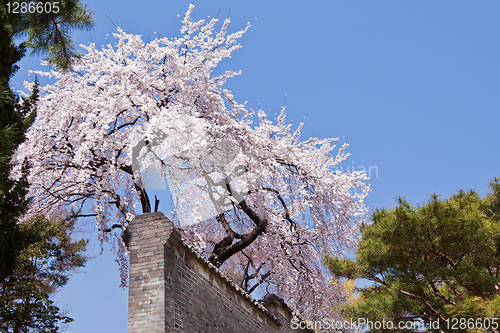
(204, 181)
(364, 324)
(204, 178)
(371, 170)
(325, 324)
(359, 325)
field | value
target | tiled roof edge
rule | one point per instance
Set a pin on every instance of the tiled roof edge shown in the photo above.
(231, 283)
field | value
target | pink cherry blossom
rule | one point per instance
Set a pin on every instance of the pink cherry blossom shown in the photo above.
(277, 204)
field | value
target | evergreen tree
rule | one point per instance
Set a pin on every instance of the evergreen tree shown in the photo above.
(48, 33)
(25, 292)
(42, 265)
(436, 263)
(12, 194)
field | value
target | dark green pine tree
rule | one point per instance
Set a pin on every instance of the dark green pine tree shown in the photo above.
(49, 33)
(438, 263)
(37, 256)
(12, 202)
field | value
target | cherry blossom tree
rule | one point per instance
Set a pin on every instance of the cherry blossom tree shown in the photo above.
(250, 195)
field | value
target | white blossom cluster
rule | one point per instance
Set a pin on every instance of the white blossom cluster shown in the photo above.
(164, 93)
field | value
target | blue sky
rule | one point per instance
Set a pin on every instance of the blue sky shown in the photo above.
(412, 86)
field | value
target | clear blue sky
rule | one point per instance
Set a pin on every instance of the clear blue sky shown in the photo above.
(413, 86)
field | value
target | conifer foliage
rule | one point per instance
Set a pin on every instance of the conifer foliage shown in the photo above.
(44, 263)
(37, 255)
(47, 27)
(433, 263)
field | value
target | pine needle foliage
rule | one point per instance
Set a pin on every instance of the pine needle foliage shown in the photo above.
(430, 263)
(37, 256)
(49, 33)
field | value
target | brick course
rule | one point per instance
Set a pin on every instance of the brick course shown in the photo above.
(172, 289)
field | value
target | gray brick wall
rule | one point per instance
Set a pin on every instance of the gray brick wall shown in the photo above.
(172, 289)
